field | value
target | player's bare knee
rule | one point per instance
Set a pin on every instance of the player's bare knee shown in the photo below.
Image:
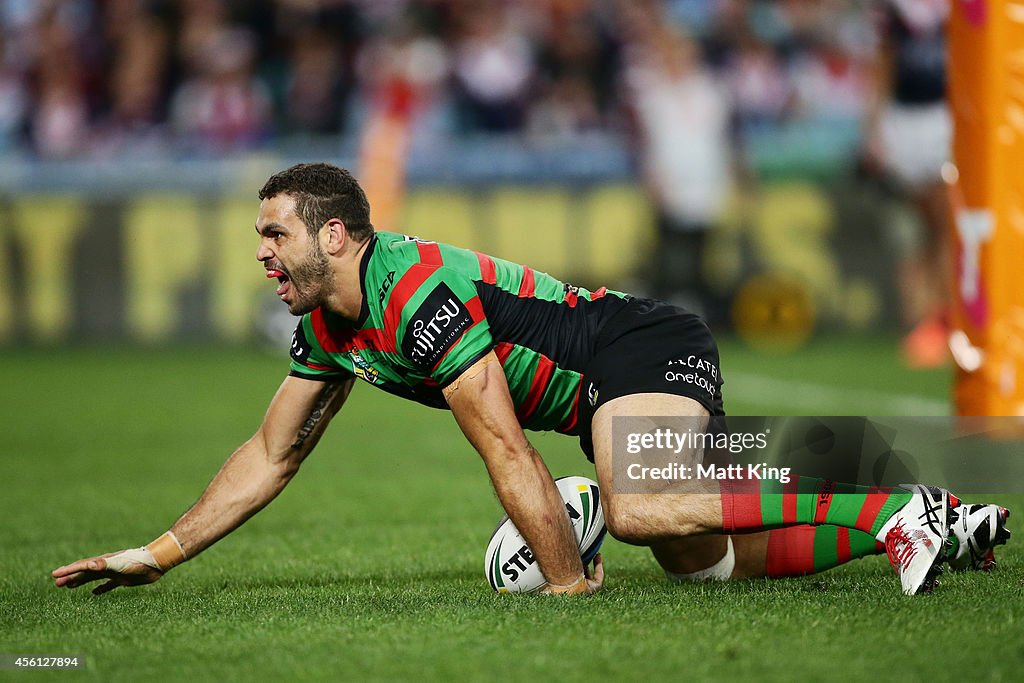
(620, 518)
(625, 527)
(633, 519)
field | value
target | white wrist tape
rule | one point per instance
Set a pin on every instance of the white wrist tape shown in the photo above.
(167, 551)
(566, 587)
(123, 560)
(719, 571)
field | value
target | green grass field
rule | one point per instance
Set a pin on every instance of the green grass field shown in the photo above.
(369, 566)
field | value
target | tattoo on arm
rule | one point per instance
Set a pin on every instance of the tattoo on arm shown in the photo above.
(322, 409)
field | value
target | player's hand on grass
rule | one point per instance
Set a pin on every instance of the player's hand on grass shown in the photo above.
(591, 581)
(595, 575)
(133, 567)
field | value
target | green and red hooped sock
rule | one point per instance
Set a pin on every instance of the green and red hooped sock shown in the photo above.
(759, 504)
(806, 549)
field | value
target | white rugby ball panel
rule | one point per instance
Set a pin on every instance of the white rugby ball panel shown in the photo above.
(509, 563)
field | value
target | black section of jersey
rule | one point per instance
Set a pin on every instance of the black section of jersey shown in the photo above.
(565, 334)
(364, 309)
(301, 347)
(428, 396)
(300, 351)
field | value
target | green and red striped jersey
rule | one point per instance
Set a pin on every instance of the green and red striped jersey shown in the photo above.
(431, 310)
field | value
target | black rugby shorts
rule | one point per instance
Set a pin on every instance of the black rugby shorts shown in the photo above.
(650, 347)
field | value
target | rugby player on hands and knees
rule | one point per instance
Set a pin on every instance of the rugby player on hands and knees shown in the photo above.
(506, 348)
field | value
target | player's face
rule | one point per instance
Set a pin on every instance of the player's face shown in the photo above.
(291, 255)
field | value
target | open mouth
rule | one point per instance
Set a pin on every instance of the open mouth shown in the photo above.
(285, 286)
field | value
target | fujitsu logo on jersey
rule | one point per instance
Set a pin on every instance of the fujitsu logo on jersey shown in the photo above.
(431, 334)
(427, 333)
(437, 324)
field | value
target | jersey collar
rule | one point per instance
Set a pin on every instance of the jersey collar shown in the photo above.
(364, 310)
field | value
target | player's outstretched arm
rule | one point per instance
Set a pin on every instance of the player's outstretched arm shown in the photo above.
(251, 478)
(482, 406)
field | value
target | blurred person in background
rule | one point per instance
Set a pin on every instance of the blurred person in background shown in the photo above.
(65, 77)
(759, 83)
(139, 53)
(316, 87)
(576, 72)
(830, 68)
(908, 138)
(494, 67)
(14, 98)
(199, 22)
(222, 107)
(404, 69)
(682, 114)
(307, 52)
(565, 108)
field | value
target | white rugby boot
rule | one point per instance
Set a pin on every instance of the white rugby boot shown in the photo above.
(976, 531)
(915, 537)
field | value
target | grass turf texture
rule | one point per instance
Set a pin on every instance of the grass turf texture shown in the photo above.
(368, 567)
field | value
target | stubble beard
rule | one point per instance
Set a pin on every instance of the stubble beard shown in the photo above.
(311, 281)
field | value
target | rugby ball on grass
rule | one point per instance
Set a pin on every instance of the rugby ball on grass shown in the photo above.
(509, 564)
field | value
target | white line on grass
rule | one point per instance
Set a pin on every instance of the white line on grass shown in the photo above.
(813, 398)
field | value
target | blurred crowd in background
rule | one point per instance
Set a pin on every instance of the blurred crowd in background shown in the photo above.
(688, 91)
(94, 78)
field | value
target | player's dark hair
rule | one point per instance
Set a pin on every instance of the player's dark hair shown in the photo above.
(322, 192)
